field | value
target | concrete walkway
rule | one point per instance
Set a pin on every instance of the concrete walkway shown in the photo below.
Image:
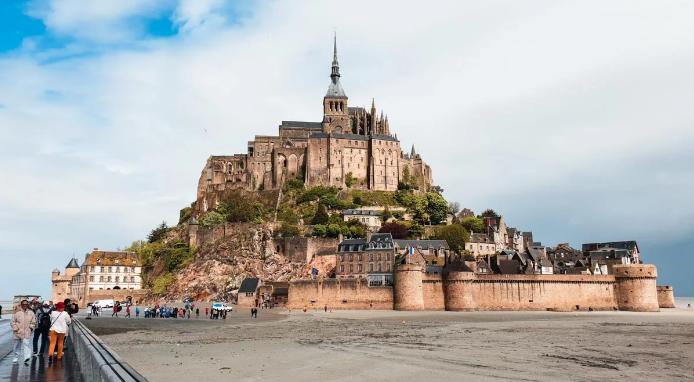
(37, 370)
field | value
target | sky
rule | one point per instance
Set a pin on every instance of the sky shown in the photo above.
(572, 119)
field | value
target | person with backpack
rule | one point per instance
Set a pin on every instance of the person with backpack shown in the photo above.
(127, 311)
(116, 309)
(60, 320)
(43, 319)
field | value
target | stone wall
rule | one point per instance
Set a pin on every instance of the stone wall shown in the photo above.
(432, 291)
(540, 292)
(631, 288)
(304, 249)
(116, 295)
(338, 294)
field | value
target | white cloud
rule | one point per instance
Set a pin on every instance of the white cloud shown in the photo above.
(194, 14)
(95, 21)
(574, 119)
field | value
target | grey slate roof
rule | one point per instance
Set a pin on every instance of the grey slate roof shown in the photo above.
(301, 124)
(379, 242)
(423, 244)
(629, 245)
(335, 89)
(249, 285)
(72, 264)
(357, 211)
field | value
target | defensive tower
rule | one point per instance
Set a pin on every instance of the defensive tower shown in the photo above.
(635, 287)
(666, 296)
(407, 289)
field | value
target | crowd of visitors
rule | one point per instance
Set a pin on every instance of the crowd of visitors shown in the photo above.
(41, 322)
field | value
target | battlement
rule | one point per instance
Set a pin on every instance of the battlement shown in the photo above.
(632, 288)
(635, 270)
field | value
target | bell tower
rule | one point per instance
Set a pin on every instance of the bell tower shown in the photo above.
(335, 115)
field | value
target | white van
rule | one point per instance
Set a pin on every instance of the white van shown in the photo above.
(102, 304)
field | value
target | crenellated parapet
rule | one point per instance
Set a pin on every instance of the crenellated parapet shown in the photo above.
(631, 287)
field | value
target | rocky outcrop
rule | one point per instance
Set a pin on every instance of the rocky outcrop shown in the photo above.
(246, 250)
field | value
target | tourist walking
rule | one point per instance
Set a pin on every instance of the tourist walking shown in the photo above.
(60, 320)
(207, 312)
(127, 311)
(23, 322)
(43, 323)
(116, 308)
(197, 312)
(0, 312)
(137, 312)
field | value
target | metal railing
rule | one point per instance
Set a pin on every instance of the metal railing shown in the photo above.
(96, 360)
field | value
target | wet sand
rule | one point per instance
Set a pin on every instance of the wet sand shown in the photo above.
(409, 346)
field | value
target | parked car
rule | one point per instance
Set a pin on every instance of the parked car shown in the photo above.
(221, 306)
(104, 304)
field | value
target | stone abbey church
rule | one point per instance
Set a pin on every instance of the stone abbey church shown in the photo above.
(351, 146)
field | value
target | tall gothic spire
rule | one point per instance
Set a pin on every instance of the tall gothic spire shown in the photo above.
(335, 88)
(336, 65)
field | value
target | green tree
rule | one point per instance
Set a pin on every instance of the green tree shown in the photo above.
(289, 230)
(489, 213)
(349, 180)
(321, 216)
(473, 223)
(386, 215)
(319, 230)
(211, 219)
(161, 284)
(436, 207)
(416, 231)
(158, 233)
(455, 235)
(333, 230)
(184, 215)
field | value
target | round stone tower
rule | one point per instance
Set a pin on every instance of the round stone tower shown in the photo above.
(666, 296)
(457, 290)
(635, 287)
(407, 291)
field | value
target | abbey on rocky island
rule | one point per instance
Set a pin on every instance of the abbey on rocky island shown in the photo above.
(351, 147)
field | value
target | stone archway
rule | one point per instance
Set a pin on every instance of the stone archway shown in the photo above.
(292, 164)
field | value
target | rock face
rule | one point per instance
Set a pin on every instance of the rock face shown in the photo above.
(246, 250)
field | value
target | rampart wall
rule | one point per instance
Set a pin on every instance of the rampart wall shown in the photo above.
(540, 292)
(117, 295)
(632, 287)
(338, 294)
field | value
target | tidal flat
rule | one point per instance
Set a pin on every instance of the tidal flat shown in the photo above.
(409, 346)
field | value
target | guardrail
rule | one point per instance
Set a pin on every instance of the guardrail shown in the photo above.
(96, 360)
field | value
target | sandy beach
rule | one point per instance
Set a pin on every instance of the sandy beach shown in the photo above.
(413, 346)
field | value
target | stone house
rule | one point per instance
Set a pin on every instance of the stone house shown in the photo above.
(248, 292)
(480, 244)
(370, 218)
(103, 274)
(630, 247)
(370, 258)
(434, 252)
